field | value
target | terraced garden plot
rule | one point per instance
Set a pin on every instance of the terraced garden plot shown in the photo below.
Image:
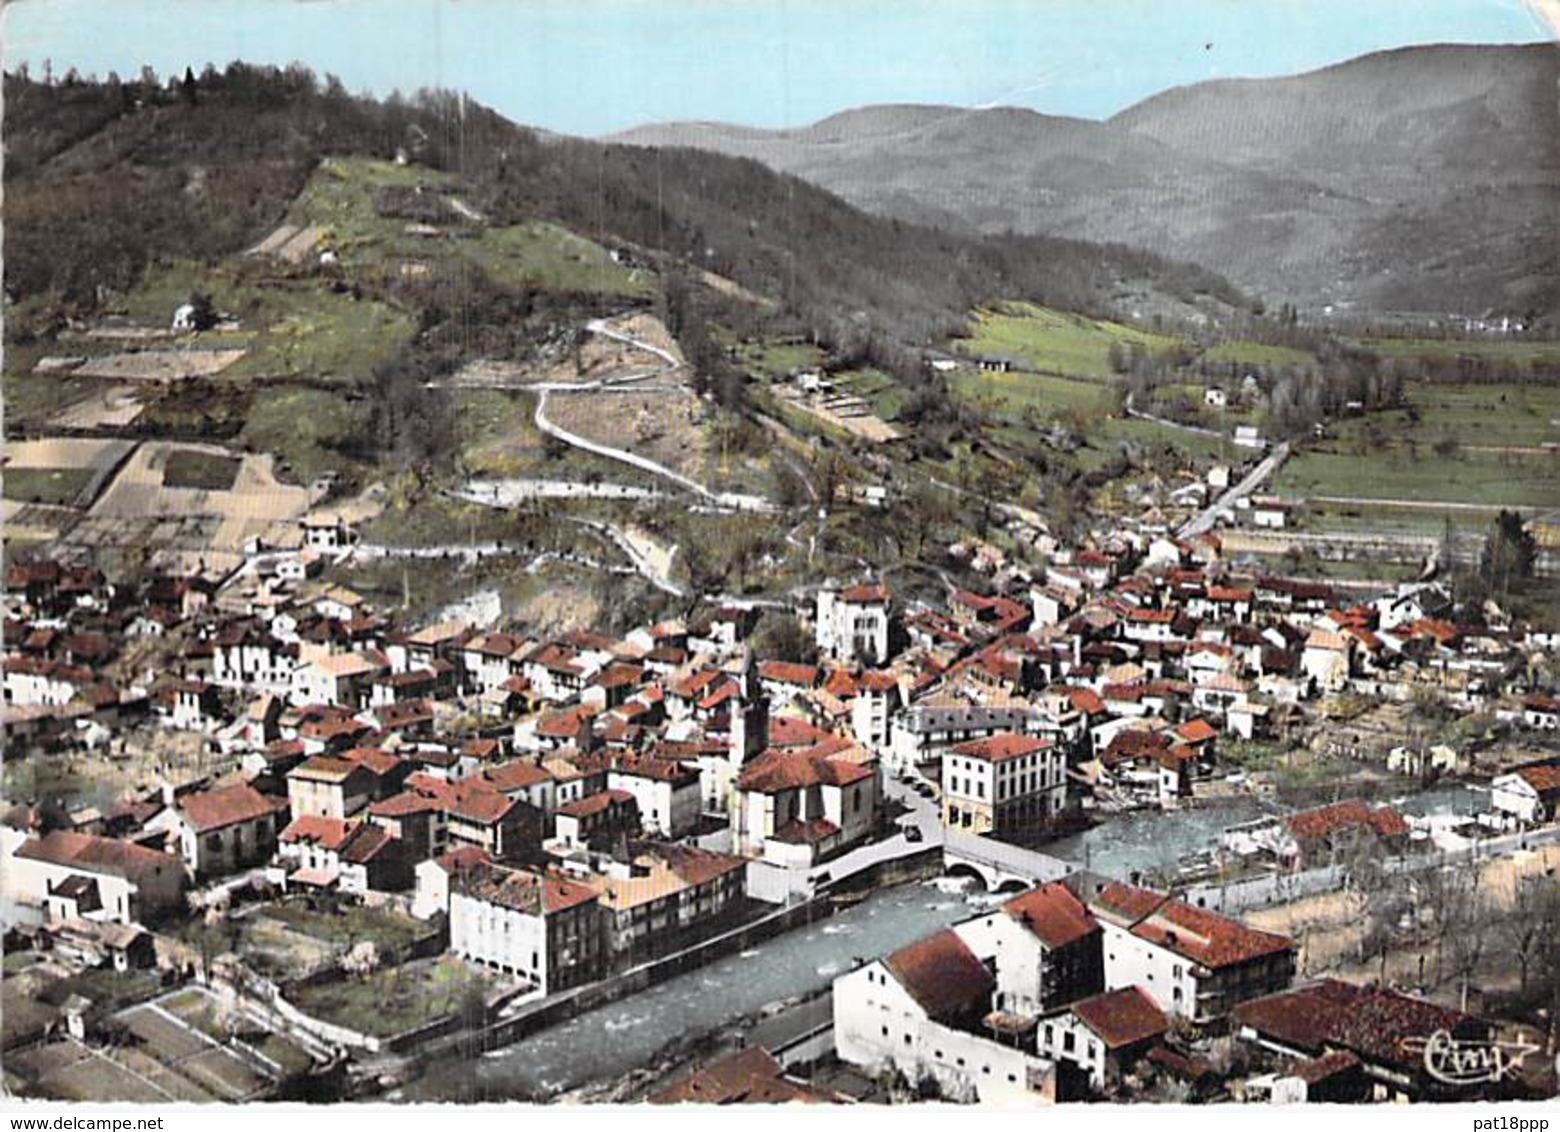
(66, 1070)
(114, 407)
(256, 506)
(57, 487)
(205, 471)
(159, 365)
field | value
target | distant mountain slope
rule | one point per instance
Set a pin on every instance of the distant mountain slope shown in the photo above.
(1419, 179)
(107, 179)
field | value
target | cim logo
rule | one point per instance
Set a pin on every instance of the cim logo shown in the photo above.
(1458, 1061)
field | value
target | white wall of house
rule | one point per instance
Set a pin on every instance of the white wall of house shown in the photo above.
(1063, 1037)
(877, 1023)
(512, 941)
(1019, 955)
(1163, 975)
(1512, 794)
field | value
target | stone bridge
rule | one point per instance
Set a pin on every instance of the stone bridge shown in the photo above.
(998, 865)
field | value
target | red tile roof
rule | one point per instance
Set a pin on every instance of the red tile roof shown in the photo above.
(1122, 1017)
(1545, 777)
(1376, 1024)
(943, 976)
(775, 771)
(1053, 914)
(208, 810)
(1196, 731)
(97, 854)
(865, 595)
(595, 803)
(1327, 820)
(1001, 747)
(1207, 938)
(784, 672)
(328, 833)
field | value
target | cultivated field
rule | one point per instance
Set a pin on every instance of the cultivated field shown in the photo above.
(61, 471)
(141, 509)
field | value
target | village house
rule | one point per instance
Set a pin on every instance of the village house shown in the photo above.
(1005, 784)
(795, 807)
(853, 624)
(1096, 1040)
(660, 894)
(924, 1011)
(336, 786)
(666, 792)
(925, 731)
(245, 656)
(1542, 713)
(1327, 660)
(749, 1076)
(64, 875)
(547, 929)
(596, 821)
(1529, 794)
(1194, 963)
(1341, 833)
(353, 857)
(877, 701)
(1044, 946)
(1384, 1029)
(221, 830)
(339, 678)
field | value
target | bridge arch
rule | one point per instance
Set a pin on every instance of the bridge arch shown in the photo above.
(967, 870)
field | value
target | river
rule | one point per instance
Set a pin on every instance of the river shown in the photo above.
(612, 1040)
(1146, 840)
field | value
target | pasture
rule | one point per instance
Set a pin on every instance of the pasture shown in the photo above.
(1050, 341)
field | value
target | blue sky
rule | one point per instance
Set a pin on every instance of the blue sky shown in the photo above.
(593, 66)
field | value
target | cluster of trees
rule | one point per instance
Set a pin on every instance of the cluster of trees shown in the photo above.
(100, 178)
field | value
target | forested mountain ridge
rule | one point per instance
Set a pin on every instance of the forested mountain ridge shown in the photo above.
(103, 178)
(1422, 179)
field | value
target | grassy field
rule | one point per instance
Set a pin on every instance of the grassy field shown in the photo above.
(1053, 341)
(307, 428)
(391, 1001)
(59, 486)
(1013, 393)
(1238, 351)
(340, 198)
(188, 467)
(779, 359)
(315, 333)
(1483, 415)
(1466, 478)
(1519, 352)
